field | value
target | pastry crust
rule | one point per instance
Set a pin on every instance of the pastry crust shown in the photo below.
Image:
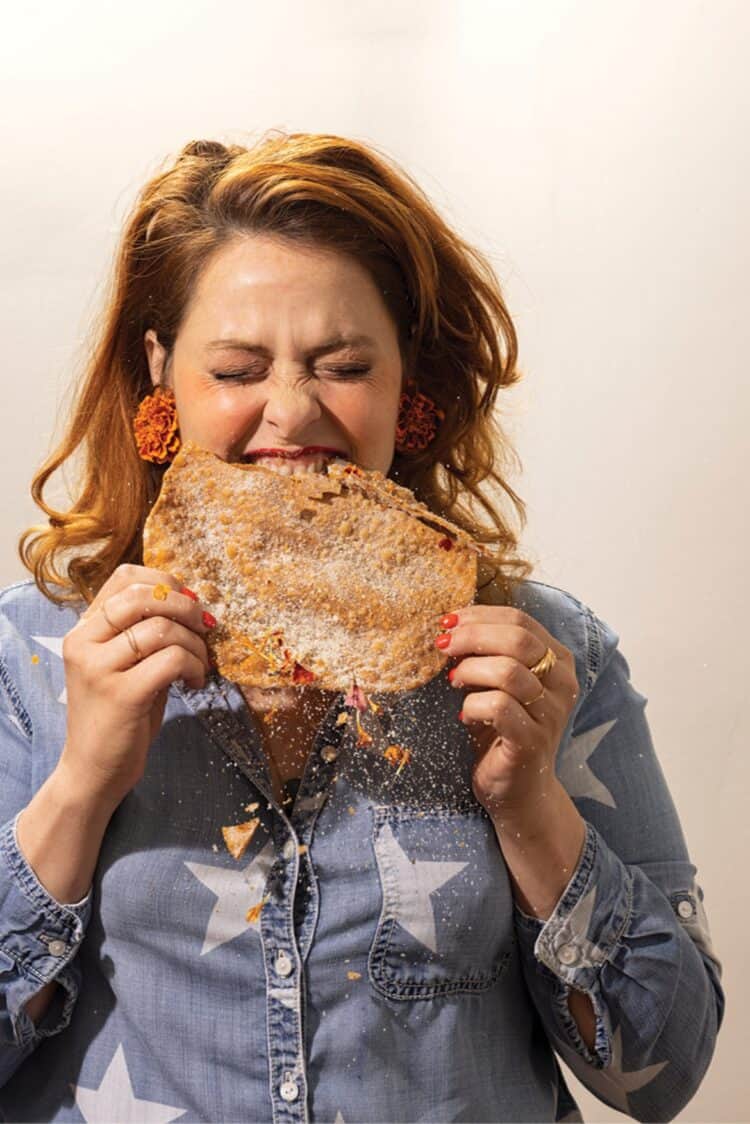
(313, 578)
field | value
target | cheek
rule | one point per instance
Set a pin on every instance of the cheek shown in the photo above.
(371, 417)
(218, 419)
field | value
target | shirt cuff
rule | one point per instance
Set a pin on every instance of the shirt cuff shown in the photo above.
(589, 919)
(40, 938)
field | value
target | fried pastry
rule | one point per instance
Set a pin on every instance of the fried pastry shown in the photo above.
(325, 579)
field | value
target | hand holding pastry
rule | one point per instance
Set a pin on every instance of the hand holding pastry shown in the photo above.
(141, 633)
(516, 719)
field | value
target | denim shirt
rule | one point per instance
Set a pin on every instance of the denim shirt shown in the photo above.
(385, 973)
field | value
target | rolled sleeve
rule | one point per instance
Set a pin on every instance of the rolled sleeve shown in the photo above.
(579, 937)
(629, 930)
(39, 942)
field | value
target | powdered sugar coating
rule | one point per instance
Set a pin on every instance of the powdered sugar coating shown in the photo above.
(340, 574)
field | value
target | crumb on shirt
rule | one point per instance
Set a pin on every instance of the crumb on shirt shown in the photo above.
(237, 836)
(253, 914)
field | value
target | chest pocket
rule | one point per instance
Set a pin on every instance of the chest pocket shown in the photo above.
(446, 924)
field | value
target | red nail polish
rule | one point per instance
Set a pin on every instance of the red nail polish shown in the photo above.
(460, 716)
(451, 673)
(443, 640)
(209, 620)
(189, 593)
(450, 620)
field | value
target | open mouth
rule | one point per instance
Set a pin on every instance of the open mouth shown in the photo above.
(313, 459)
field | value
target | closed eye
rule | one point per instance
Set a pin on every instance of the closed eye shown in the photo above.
(248, 375)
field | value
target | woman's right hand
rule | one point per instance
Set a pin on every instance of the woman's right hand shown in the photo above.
(116, 698)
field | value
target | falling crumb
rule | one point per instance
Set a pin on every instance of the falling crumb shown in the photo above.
(354, 975)
(35, 659)
(160, 592)
(252, 807)
(397, 755)
(214, 848)
(302, 849)
(363, 738)
(351, 809)
(253, 914)
(342, 719)
(237, 836)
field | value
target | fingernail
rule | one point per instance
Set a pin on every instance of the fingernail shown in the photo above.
(189, 593)
(209, 620)
(460, 716)
(450, 620)
(451, 673)
(443, 640)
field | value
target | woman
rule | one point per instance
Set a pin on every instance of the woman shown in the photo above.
(388, 948)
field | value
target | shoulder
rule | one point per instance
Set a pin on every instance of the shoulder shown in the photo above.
(25, 610)
(570, 620)
(32, 629)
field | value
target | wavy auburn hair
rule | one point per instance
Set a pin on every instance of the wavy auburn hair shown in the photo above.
(456, 337)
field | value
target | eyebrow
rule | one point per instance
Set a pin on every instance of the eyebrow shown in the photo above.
(336, 343)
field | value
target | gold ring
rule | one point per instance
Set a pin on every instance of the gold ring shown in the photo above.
(133, 644)
(534, 700)
(545, 664)
(109, 621)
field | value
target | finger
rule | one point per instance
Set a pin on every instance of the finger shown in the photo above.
(165, 667)
(505, 616)
(484, 638)
(503, 713)
(144, 601)
(131, 574)
(143, 639)
(499, 672)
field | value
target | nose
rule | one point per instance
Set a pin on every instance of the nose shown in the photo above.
(290, 408)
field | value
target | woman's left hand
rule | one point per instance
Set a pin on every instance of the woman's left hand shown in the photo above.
(515, 744)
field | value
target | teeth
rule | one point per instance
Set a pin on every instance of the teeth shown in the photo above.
(302, 465)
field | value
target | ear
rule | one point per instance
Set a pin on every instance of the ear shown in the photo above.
(157, 357)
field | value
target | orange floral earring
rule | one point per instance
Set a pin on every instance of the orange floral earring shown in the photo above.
(155, 427)
(418, 420)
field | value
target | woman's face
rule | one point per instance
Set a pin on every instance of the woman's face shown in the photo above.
(272, 355)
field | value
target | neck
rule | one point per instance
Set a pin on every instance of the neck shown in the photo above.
(287, 720)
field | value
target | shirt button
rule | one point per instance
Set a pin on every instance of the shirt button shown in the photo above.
(57, 948)
(329, 753)
(289, 1090)
(283, 966)
(685, 908)
(568, 954)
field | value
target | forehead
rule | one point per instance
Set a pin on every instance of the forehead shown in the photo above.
(261, 274)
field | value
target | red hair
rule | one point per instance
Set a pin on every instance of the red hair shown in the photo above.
(456, 337)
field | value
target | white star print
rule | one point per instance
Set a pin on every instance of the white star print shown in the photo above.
(237, 891)
(114, 1099)
(574, 771)
(416, 881)
(612, 1082)
(54, 644)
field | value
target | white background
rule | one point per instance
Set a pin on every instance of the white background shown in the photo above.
(598, 152)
